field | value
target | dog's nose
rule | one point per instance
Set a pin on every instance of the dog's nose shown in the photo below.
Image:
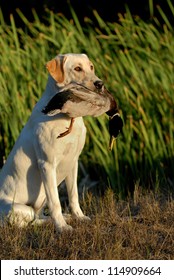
(98, 84)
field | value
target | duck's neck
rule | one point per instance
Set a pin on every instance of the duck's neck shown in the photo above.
(113, 107)
(113, 112)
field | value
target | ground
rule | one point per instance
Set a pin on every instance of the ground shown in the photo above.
(141, 227)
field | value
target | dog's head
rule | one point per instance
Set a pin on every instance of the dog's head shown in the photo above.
(69, 68)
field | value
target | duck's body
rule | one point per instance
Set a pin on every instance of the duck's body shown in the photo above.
(77, 101)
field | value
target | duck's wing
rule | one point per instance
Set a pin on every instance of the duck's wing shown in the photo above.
(76, 101)
(89, 103)
(57, 102)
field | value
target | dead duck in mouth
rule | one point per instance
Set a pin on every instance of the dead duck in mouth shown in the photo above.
(75, 100)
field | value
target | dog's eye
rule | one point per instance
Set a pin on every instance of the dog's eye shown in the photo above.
(78, 69)
(92, 67)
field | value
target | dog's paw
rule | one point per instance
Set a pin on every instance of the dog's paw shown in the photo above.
(64, 228)
(86, 218)
(83, 218)
(78, 214)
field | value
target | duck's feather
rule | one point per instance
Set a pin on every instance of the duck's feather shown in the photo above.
(77, 101)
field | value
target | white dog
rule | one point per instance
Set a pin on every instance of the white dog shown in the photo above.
(39, 160)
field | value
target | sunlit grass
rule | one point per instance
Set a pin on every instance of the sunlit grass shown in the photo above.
(134, 229)
(135, 59)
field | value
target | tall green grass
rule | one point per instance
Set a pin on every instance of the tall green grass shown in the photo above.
(134, 58)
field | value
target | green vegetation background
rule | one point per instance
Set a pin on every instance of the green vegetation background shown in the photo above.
(135, 59)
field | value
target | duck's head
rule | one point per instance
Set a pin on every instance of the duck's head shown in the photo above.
(115, 127)
(115, 123)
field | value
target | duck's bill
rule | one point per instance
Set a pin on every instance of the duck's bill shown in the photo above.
(111, 142)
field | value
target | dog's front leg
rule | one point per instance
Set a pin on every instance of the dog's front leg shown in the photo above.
(71, 184)
(48, 174)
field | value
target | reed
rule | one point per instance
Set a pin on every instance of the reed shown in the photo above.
(134, 58)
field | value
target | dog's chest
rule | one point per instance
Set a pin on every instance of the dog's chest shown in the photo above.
(61, 152)
(69, 149)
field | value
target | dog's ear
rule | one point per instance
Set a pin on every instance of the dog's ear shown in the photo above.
(55, 68)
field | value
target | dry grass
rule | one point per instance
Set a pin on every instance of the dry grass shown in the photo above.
(140, 228)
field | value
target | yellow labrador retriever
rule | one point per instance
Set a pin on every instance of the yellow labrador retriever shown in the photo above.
(39, 160)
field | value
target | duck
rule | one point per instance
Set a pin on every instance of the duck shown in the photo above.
(115, 127)
(76, 100)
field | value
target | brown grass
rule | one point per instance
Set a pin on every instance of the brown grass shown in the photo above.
(139, 228)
